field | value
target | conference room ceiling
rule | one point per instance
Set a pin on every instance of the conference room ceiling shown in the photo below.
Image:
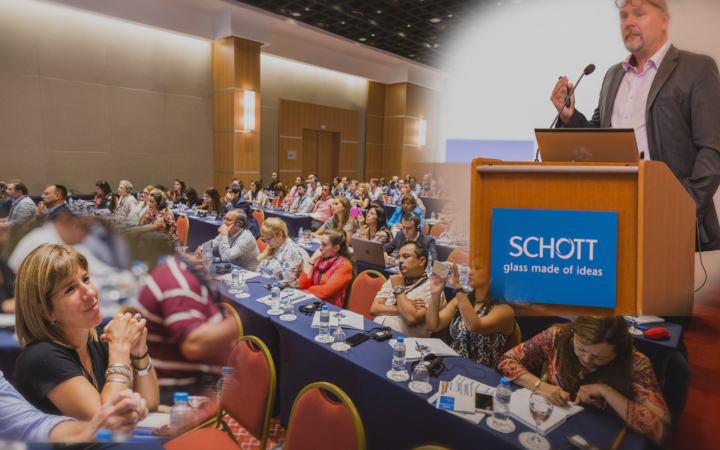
(419, 30)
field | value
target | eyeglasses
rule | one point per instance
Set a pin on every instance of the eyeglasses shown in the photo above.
(623, 3)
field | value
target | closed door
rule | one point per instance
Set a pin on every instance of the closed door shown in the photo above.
(321, 154)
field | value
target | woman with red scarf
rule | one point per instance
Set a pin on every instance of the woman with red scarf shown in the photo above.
(329, 271)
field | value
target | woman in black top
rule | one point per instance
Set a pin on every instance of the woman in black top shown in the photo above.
(104, 198)
(190, 198)
(64, 368)
(177, 194)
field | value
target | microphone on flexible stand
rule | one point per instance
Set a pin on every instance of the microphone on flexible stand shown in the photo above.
(568, 100)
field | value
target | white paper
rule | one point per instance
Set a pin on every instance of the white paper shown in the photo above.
(7, 320)
(520, 411)
(155, 420)
(437, 347)
(351, 320)
(645, 320)
(248, 275)
(474, 417)
(292, 294)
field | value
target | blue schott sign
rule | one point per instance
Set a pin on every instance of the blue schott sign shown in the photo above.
(554, 256)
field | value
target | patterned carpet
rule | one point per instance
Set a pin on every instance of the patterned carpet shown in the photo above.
(276, 437)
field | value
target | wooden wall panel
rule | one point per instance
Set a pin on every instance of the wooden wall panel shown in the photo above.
(223, 111)
(289, 176)
(329, 155)
(422, 102)
(224, 153)
(374, 130)
(376, 99)
(309, 158)
(247, 152)
(223, 179)
(247, 64)
(393, 130)
(290, 144)
(392, 159)
(373, 157)
(223, 68)
(395, 99)
(348, 160)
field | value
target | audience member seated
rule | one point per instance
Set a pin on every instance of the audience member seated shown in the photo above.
(177, 193)
(254, 195)
(330, 269)
(282, 199)
(303, 203)
(411, 231)
(479, 327)
(376, 192)
(383, 184)
(274, 180)
(64, 367)
(23, 209)
(409, 204)
(415, 187)
(5, 201)
(340, 220)
(408, 190)
(337, 187)
(238, 182)
(345, 182)
(403, 300)
(282, 260)
(21, 422)
(298, 182)
(213, 201)
(159, 216)
(396, 192)
(592, 361)
(53, 199)
(104, 198)
(351, 192)
(441, 188)
(140, 208)
(187, 336)
(428, 183)
(236, 201)
(190, 198)
(362, 199)
(313, 186)
(235, 243)
(372, 227)
(323, 208)
(127, 201)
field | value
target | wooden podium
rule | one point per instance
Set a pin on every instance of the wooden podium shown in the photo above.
(656, 225)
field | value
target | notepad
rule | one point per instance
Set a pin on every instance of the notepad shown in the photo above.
(437, 347)
(474, 386)
(155, 420)
(287, 294)
(248, 276)
(7, 320)
(351, 320)
(520, 411)
(644, 320)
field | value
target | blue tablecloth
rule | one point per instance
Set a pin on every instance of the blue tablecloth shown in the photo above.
(293, 221)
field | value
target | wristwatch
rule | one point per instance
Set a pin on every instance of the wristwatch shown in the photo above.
(458, 290)
(398, 290)
(145, 371)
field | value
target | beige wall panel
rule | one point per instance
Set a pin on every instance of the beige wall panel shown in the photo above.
(224, 151)
(224, 110)
(247, 64)
(395, 99)
(393, 130)
(20, 111)
(27, 165)
(188, 168)
(71, 46)
(223, 69)
(373, 157)
(18, 42)
(186, 66)
(67, 169)
(247, 152)
(75, 116)
(376, 98)
(135, 58)
(137, 122)
(421, 102)
(392, 158)
(348, 156)
(290, 144)
(374, 132)
(189, 125)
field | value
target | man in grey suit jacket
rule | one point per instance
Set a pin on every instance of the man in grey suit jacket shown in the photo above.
(672, 100)
(23, 209)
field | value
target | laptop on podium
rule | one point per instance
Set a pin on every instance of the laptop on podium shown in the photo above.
(588, 145)
(370, 252)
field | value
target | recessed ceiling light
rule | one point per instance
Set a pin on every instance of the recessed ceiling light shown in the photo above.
(296, 14)
(449, 15)
(437, 45)
(307, 9)
(344, 23)
(373, 35)
(411, 56)
(379, 12)
(408, 26)
(435, 20)
(362, 39)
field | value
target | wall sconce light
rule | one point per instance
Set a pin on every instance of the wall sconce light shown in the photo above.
(249, 110)
(422, 133)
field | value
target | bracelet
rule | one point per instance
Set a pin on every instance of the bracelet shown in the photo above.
(145, 371)
(115, 380)
(120, 369)
(137, 358)
(537, 383)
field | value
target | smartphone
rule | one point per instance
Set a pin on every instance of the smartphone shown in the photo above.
(483, 402)
(354, 340)
(280, 285)
(441, 269)
(355, 212)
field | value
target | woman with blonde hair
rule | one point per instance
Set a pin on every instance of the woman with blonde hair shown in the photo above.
(64, 369)
(140, 208)
(592, 360)
(340, 220)
(282, 260)
(329, 271)
(362, 200)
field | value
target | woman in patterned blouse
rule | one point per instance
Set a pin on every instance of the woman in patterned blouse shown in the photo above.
(373, 227)
(159, 216)
(479, 327)
(282, 260)
(282, 199)
(592, 360)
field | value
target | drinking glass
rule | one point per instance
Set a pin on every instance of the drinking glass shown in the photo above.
(289, 312)
(396, 256)
(541, 406)
(339, 344)
(423, 350)
(243, 289)
(307, 236)
(213, 215)
(633, 330)
(420, 381)
(196, 401)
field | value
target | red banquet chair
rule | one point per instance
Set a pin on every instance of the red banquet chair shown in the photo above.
(363, 290)
(248, 400)
(460, 256)
(183, 229)
(261, 245)
(319, 423)
(259, 215)
(426, 227)
(439, 229)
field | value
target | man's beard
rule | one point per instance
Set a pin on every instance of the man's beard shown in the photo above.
(633, 48)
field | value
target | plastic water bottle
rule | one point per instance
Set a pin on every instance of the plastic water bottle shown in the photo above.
(103, 435)
(300, 234)
(501, 403)
(275, 297)
(228, 378)
(398, 362)
(235, 278)
(181, 414)
(464, 276)
(432, 216)
(324, 321)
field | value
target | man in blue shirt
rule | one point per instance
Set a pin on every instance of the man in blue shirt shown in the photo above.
(21, 422)
(409, 204)
(235, 200)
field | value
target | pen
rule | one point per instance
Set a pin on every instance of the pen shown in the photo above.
(557, 378)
